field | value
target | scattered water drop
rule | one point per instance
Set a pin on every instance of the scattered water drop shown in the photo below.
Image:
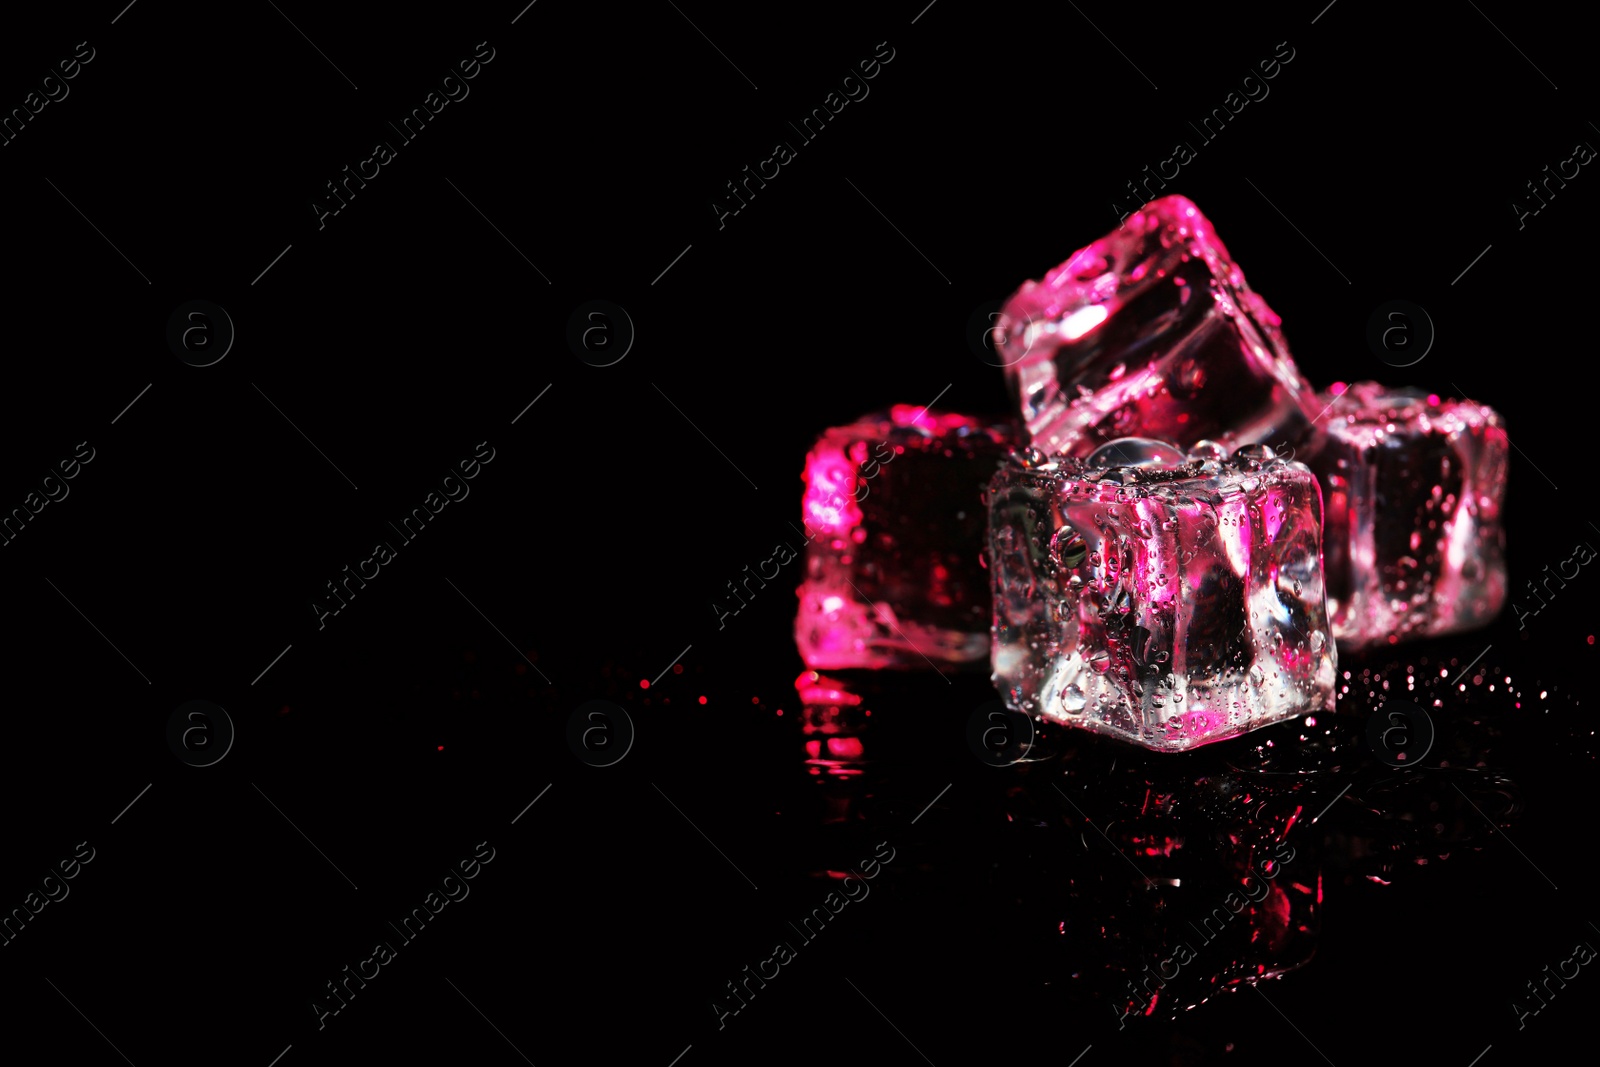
(1068, 548)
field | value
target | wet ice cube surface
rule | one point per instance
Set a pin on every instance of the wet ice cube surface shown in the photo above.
(894, 514)
(1164, 598)
(1413, 486)
(1151, 331)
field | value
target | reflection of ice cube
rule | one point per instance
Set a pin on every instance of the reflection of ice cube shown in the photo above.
(1194, 610)
(1413, 487)
(1151, 330)
(893, 503)
(1225, 877)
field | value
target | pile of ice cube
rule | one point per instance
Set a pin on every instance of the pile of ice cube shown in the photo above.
(1181, 532)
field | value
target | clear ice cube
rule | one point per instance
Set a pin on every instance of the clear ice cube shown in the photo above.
(895, 525)
(1151, 331)
(1413, 486)
(1166, 603)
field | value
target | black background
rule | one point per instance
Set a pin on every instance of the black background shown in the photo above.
(407, 330)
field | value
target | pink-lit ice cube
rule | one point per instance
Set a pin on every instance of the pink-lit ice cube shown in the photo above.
(1413, 485)
(1151, 331)
(894, 517)
(1165, 599)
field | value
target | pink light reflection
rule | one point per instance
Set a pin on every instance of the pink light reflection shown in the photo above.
(1082, 321)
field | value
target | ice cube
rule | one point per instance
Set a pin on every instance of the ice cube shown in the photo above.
(895, 525)
(1170, 604)
(1413, 485)
(1151, 331)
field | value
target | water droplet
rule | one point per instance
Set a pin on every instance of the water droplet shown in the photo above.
(1135, 452)
(1208, 449)
(1068, 548)
(1073, 700)
(1257, 675)
(1318, 640)
(1253, 456)
(1100, 661)
(1189, 379)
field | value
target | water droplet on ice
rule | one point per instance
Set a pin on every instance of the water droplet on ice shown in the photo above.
(1208, 449)
(1135, 452)
(1253, 456)
(1068, 548)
